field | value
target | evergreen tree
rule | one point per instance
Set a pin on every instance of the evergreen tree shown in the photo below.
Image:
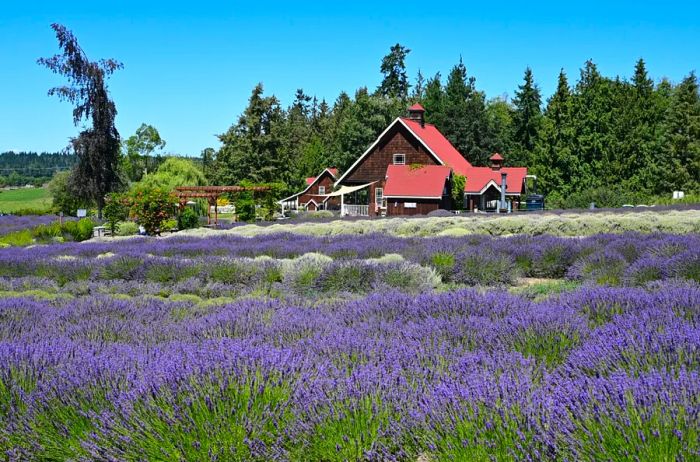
(395, 83)
(553, 162)
(434, 101)
(208, 156)
(527, 119)
(641, 138)
(252, 149)
(464, 122)
(419, 88)
(590, 120)
(682, 141)
(500, 115)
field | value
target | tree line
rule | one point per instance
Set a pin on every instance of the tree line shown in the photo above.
(608, 138)
(602, 138)
(22, 168)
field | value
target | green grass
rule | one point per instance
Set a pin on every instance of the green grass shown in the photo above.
(29, 198)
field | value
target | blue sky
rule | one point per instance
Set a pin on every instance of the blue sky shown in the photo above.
(190, 66)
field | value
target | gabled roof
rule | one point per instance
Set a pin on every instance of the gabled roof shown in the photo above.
(478, 178)
(496, 156)
(439, 145)
(333, 173)
(426, 182)
(430, 137)
(416, 107)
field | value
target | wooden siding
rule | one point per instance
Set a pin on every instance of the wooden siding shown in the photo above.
(327, 181)
(399, 140)
(423, 206)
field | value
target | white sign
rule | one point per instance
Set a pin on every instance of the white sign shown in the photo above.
(409, 205)
(82, 213)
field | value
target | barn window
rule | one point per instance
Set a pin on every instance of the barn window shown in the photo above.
(379, 197)
(409, 205)
(399, 159)
(322, 190)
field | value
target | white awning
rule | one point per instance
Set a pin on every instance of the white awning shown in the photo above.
(345, 190)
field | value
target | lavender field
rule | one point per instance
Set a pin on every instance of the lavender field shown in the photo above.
(352, 347)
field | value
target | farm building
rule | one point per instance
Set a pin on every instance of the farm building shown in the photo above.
(314, 196)
(409, 169)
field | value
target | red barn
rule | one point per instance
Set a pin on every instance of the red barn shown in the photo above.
(398, 172)
(314, 197)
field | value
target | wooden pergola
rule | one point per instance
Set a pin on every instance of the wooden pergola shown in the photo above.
(212, 194)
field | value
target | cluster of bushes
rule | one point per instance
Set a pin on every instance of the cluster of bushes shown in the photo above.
(565, 224)
(69, 230)
(308, 275)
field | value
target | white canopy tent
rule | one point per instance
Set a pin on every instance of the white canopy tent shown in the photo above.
(343, 191)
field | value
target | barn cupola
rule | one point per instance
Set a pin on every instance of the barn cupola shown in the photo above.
(417, 114)
(496, 161)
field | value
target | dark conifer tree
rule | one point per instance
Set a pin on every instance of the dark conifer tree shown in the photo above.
(465, 123)
(682, 142)
(395, 83)
(527, 120)
(419, 88)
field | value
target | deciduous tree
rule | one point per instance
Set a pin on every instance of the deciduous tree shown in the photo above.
(97, 148)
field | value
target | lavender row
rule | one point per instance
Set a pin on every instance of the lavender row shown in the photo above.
(615, 259)
(12, 223)
(597, 374)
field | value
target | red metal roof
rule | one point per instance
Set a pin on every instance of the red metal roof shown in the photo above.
(496, 156)
(440, 145)
(407, 181)
(310, 180)
(334, 171)
(479, 177)
(416, 107)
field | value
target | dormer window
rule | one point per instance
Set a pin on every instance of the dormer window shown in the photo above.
(399, 159)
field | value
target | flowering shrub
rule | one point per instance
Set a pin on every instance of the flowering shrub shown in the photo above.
(152, 206)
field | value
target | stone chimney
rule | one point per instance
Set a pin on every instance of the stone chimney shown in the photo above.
(496, 161)
(417, 114)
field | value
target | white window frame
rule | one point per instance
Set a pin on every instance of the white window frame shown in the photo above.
(322, 190)
(396, 162)
(379, 192)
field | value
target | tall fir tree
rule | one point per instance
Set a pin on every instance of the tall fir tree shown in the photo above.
(419, 88)
(527, 120)
(682, 141)
(553, 163)
(500, 115)
(252, 148)
(590, 120)
(642, 119)
(434, 101)
(465, 122)
(395, 83)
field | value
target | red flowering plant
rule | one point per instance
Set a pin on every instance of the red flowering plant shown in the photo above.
(152, 206)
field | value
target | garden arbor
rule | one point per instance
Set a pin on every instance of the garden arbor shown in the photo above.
(212, 194)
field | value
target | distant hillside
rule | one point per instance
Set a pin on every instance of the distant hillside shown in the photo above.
(20, 168)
